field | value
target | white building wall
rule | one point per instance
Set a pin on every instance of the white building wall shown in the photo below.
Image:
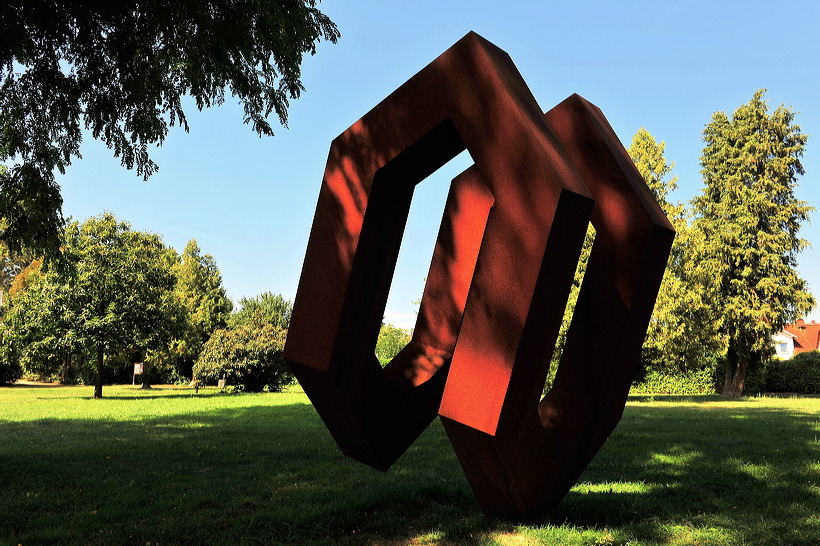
(783, 345)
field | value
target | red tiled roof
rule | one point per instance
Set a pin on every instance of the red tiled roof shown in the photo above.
(807, 335)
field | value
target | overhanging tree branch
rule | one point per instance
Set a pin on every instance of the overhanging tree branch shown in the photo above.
(120, 71)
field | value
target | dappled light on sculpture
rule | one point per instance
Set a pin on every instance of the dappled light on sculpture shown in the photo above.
(503, 264)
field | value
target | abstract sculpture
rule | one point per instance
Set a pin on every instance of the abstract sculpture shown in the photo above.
(501, 272)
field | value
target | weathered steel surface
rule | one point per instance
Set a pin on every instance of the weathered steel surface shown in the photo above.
(537, 450)
(503, 264)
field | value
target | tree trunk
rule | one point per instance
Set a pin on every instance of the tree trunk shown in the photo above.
(735, 376)
(65, 368)
(99, 379)
(146, 376)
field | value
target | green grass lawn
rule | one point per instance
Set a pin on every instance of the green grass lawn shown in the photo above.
(167, 466)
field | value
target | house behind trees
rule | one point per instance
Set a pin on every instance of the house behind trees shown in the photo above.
(797, 338)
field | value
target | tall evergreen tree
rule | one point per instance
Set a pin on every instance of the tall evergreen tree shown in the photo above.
(748, 220)
(204, 303)
(648, 156)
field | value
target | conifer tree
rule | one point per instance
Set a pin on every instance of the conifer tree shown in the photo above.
(748, 219)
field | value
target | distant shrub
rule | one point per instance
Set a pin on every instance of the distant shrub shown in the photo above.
(248, 356)
(799, 374)
(688, 383)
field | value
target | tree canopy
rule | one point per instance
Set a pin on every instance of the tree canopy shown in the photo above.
(114, 292)
(120, 70)
(266, 307)
(648, 156)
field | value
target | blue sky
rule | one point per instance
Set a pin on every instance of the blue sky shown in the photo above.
(664, 65)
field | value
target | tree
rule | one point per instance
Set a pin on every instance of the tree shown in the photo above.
(39, 319)
(120, 71)
(266, 307)
(249, 352)
(248, 356)
(11, 263)
(391, 340)
(204, 305)
(749, 218)
(10, 266)
(648, 156)
(121, 283)
(47, 316)
(112, 293)
(679, 339)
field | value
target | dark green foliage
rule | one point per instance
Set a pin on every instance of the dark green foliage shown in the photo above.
(112, 295)
(755, 383)
(118, 290)
(204, 307)
(748, 220)
(120, 70)
(120, 283)
(249, 352)
(10, 369)
(800, 374)
(679, 383)
(680, 342)
(248, 357)
(39, 318)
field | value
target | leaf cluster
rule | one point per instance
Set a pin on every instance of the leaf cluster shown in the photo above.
(248, 353)
(203, 303)
(391, 340)
(265, 308)
(120, 70)
(731, 280)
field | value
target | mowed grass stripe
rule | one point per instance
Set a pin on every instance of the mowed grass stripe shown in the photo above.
(170, 466)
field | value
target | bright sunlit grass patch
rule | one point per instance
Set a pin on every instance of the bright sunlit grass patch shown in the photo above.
(169, 465)
(613, 487)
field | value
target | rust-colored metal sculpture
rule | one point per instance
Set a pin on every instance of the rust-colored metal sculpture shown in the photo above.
(524, 456)
(504, 259)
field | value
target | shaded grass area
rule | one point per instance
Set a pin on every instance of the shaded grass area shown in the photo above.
(167, 466)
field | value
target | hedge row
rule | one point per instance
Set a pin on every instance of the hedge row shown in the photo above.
(800, 374)
(655, 382)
